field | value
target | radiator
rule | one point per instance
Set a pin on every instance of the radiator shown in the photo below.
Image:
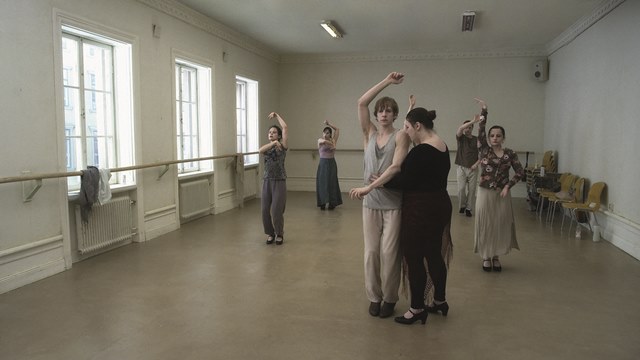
(108, 224)
(194, 199)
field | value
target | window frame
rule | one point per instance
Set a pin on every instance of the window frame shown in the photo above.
(123, 105)
(204, 108)
(247, 124)
(187, 141)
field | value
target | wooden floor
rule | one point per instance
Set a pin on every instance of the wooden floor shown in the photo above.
(214, 290)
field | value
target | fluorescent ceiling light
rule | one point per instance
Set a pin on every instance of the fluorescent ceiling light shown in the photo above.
(331, 29)
(468, 18)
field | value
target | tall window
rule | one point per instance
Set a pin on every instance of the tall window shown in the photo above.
(193, 115)
(247, 118)
(187, 113)
(96, 75)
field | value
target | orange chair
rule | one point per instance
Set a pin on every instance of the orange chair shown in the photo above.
(566, 182)
(591, 205)
(575, 195)
(547, 190)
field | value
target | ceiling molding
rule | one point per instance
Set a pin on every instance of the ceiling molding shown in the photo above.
(582, 25)
(502, 53)
(207, 24)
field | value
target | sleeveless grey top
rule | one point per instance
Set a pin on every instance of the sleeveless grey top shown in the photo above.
(376, 161)
(274, 164)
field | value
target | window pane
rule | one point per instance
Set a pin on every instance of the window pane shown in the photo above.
(246, 118)
(193, 119)
(100, 152)
(185, 121)
(99, 115)
(97, 62)
(70, 65)
(72, 111)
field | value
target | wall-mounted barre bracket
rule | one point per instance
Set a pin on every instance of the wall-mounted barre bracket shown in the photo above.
(163, 171)
(28, 194)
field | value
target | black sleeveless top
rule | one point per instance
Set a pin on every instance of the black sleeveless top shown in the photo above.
(425, 169)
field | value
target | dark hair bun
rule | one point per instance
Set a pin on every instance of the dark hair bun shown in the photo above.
(422, 116)
(431, 115)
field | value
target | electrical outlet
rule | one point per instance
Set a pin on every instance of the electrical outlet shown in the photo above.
(611, 207)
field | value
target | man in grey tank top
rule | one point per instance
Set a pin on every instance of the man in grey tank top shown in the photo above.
(384, 150)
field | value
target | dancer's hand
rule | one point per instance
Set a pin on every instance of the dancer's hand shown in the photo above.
(481, 102)
(395, 77)
(412, 102)
(359, 193)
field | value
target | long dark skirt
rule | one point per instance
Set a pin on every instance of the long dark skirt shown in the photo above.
(425, 242)
(327, 186)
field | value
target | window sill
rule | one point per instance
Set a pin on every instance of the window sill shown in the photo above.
(194, 175)
(115, 189)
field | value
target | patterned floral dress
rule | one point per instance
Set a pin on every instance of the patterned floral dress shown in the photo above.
(495, 232)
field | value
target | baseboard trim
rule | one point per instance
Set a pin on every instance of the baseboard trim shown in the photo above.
(160, 221)
(621, 232)
(29, 263)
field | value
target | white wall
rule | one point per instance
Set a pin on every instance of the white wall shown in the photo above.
(591, 116)
(35, 240)
(312, 91)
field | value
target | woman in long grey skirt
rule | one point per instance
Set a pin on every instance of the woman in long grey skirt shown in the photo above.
(327, 186)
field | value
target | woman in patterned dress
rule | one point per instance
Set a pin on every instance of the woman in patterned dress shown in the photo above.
(495, 232)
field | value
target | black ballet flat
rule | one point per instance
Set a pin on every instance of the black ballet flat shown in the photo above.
(387, 309)
(279, 240)
(270, 239)
(486, 268)
(374, 308)
(422, 316)
(496, 265)
(443, 308)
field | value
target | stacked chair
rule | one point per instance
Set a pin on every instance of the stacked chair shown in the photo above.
(549, 163)
(533, 173)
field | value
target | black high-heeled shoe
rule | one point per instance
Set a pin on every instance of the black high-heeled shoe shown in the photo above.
(422, 316)
(443, 308)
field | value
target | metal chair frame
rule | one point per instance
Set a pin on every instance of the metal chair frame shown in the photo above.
(590, 206)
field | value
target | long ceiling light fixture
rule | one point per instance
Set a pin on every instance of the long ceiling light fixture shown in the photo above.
(331, 29)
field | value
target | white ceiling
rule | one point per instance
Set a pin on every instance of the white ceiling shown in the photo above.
(292, 27)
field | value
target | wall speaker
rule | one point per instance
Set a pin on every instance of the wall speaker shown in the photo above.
(541, 70)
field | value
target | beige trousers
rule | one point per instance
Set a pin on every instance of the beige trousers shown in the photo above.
(381, 230)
